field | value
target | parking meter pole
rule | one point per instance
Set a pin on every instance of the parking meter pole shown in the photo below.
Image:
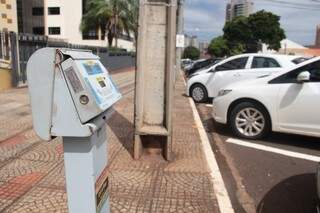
(86, 173)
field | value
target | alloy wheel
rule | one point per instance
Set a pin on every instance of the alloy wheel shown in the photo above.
(250, 122)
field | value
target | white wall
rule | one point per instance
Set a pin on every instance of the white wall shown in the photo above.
(69, 20)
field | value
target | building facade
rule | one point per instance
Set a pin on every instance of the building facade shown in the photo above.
(8, 19)
(61, 19)
(191, 41)
(8, 24)
(31, 16)
(317, 44)
(238, 8)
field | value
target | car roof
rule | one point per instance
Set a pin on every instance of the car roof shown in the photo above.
(267, 55)
(310, 61)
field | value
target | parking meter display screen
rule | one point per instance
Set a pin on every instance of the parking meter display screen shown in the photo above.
(92, 68)
(99, 82)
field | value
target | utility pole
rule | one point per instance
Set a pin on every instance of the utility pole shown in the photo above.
(180, 25)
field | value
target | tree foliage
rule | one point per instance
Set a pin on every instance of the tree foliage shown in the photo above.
(192, 53)
(219, 47)
(244, 34)
(111, 17)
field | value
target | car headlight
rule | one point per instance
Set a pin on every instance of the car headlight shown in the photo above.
(224, 92)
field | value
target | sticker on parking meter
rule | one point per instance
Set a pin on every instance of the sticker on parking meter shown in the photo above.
(74, 80)
(101, 187)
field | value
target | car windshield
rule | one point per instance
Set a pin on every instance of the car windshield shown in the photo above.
(211, 64)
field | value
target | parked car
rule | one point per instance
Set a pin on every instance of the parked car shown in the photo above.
(186, 62)
(190, 66)
(207, 83)
(201, 65)
(285, 102)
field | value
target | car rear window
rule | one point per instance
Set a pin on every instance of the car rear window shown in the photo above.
(299, 60)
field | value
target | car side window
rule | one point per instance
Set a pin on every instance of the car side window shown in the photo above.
(236, 64)
(291, 77)
(263, 62)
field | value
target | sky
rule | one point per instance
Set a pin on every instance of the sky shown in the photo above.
(206, 18)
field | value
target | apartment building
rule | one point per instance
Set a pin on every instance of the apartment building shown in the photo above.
(237, 8)
(61, 19)
(8, 13)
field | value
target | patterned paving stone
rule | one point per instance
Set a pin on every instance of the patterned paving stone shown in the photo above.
(46, 152)
(130, 205)
(55, 179)
(132, 183)
(165, 205)
(13, 146)
(21, 167)
(41, 200)
(183, 185)
(15, 188)
(13, 127)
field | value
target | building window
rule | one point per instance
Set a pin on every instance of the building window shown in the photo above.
(3, 15)
(90, 35)
(9, 21)
(3, 1)
(54, 10)
(37, 11)
(54, 30)
(38, 30)
(8, 6)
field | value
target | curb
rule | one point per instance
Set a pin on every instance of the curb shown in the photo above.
(220, 190)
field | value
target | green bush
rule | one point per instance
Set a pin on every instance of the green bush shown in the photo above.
(192, 53)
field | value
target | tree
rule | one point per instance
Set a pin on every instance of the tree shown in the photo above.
(132, 14)
(248, 32)
(266, 28)
(192, 53)
(219, 47)
(111, 17)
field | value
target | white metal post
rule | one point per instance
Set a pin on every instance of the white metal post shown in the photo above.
(86, 173)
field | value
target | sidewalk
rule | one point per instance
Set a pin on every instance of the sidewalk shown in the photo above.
(32, 172)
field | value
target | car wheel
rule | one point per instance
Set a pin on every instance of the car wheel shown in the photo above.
(249, 120)
(199, 93)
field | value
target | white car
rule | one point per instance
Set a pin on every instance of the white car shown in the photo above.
(207, 83)
(286, 102)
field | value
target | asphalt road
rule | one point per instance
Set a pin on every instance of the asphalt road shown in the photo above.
(274, 175)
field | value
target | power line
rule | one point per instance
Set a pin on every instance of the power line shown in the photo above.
(295, 5)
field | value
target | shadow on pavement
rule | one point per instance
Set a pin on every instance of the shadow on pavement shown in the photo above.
(123, 130)
(296, 194)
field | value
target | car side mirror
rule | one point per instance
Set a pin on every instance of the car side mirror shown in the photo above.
(303, 77)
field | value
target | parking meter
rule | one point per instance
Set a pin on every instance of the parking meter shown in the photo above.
(72, 95)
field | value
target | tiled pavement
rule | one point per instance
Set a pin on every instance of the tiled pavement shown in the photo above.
(32, 171)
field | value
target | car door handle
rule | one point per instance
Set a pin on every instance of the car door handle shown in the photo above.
(236, 75)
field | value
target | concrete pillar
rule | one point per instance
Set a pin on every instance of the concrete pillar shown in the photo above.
(155, 75)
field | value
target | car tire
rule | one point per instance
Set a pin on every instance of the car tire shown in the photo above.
(199, 93)
(250, 121)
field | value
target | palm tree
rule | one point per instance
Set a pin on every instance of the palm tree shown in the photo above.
(111, 16)
(132, 14)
